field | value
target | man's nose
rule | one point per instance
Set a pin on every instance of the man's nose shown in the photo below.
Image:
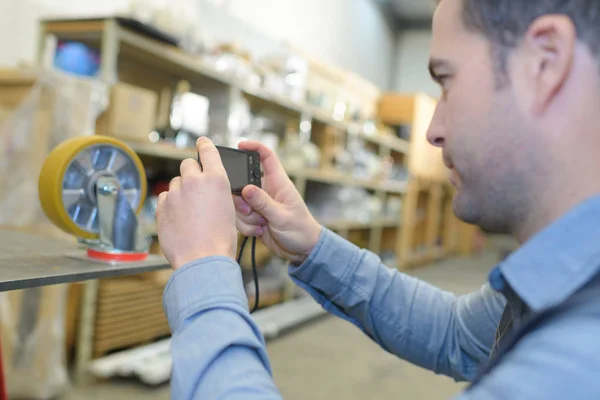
(436, 131)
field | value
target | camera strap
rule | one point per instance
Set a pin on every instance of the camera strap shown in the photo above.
(254, 272)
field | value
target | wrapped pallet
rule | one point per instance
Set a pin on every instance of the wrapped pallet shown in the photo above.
(38, 110)
(33, 336)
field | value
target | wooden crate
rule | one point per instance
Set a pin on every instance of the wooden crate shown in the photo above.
(129, 313)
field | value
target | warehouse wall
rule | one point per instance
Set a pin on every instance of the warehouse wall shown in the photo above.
(17, 31)
(412, 54)
(19, 41)
(353, 34)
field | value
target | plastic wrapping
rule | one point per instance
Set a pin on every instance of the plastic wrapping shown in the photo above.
(33, 342)
(178, 18)
(54, 107)
(58, 107)
(297, 154)
(285, 75)
(331, 204)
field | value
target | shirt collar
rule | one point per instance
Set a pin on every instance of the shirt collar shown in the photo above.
(559, 260)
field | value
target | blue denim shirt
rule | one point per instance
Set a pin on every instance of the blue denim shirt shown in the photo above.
(218, 351)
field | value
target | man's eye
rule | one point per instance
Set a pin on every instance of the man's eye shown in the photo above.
(443, 80)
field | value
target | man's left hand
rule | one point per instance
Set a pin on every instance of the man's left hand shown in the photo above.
(196, 217)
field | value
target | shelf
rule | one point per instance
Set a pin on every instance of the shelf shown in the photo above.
(393, 186)
(346, 225)
(28, 260)
(391, 142)
(315, 113)
(173, 60)
(173, 57)
(150, 229)
(162, 150)
(350, 225)
(390, 223)
(261, 97)
(167, 58)
(321, 116)
(337, 178)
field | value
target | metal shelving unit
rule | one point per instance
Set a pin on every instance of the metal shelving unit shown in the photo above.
(115, 41)
(331, 176)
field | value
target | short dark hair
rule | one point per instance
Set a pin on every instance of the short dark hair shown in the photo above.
(505, 22)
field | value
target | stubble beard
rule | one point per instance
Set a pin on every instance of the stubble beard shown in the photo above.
(495, 191)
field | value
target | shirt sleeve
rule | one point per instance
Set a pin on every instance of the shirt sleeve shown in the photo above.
(217, 349)
(408, 317)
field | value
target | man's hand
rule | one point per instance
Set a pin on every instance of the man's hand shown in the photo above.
(277, 214)
(196, 217)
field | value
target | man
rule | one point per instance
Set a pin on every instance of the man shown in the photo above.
(518, 123)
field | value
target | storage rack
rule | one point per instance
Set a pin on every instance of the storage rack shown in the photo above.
(130, 57)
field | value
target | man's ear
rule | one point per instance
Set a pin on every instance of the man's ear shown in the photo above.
(550, 42)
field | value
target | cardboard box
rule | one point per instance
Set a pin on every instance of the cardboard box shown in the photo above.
(396, 109)
(131, 113)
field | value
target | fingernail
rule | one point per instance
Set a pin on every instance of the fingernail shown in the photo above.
(251, 192)
(245, 209)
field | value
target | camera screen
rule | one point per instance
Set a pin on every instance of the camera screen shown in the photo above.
(236, 165)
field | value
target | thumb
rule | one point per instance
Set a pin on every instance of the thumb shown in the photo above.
(261, 202)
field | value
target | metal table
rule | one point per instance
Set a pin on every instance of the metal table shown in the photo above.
(29, 260)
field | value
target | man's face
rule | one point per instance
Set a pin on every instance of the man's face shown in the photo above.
(477, 123)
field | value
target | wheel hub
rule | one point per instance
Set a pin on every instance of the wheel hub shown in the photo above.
(81, 177)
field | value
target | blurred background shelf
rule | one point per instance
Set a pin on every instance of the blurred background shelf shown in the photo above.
(388, 141)
(339, 225)
(349, 225)
(336, 178)
(169, 151)
(163, 150)
(133, 47)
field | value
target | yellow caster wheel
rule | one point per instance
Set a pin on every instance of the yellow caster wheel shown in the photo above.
(67, 183)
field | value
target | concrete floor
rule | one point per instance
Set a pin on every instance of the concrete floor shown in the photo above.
(331, 359)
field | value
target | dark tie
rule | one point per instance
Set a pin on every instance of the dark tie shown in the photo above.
(514, 311)
(504, 327)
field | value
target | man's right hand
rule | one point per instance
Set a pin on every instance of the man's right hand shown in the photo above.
(277, 213)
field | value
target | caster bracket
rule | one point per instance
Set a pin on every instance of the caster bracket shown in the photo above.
(120, 238)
